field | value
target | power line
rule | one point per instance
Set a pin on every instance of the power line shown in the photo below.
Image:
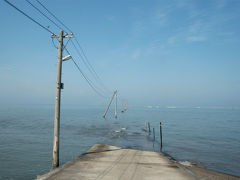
(64, 46)
(88, 81)
(94, 72)
(86, 78)
(54, 44)
(67, 41)
(49, 20)
(43, 14)
(86, 64)
(53, 15)
(86, 61)
(28, 16)
(90, 68)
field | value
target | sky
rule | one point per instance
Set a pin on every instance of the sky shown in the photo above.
(154, 52)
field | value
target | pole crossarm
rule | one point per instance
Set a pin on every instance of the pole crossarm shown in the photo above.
(65, 36)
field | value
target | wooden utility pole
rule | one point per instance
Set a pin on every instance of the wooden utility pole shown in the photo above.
(55, 160)
(105, 113)
(116, 105)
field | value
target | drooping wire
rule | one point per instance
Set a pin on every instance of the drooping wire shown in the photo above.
(87, 65)
(28, 16)
(84, 57)
(86, 61)
(92, 69)
(49, 20)
(43, 14)
(64, 46)
(86, 78)
(53, 15)
(54, 45)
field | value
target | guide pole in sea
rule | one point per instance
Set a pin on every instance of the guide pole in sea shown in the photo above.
(161, 135)
(149, 129)
(59, 87)
(153, 134)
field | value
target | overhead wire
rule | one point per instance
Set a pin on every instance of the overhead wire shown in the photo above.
(86, 61)
(49, 20)
(43, 14)
(88, 64)
(54, 16)
(29, 17)
(85, 77)
(64, 46)
(86, 57)
(54, 45)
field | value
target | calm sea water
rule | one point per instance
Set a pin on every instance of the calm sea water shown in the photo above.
(206, 136)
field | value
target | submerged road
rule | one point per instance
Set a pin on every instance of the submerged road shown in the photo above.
(110, 163)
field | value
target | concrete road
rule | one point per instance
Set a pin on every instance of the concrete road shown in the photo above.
(110, 163)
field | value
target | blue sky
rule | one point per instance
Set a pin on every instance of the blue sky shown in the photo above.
(176, 52)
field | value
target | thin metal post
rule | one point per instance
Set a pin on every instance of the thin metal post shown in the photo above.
(149, 129)
(55, 161)
(153, 134)
(161, 135)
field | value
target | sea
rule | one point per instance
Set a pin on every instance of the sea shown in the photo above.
(206, 136)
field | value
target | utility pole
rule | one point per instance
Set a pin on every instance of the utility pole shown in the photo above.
(55, 160)
(116, 105)
(104, 115)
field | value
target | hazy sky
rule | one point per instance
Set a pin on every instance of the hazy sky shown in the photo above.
(175, 52)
